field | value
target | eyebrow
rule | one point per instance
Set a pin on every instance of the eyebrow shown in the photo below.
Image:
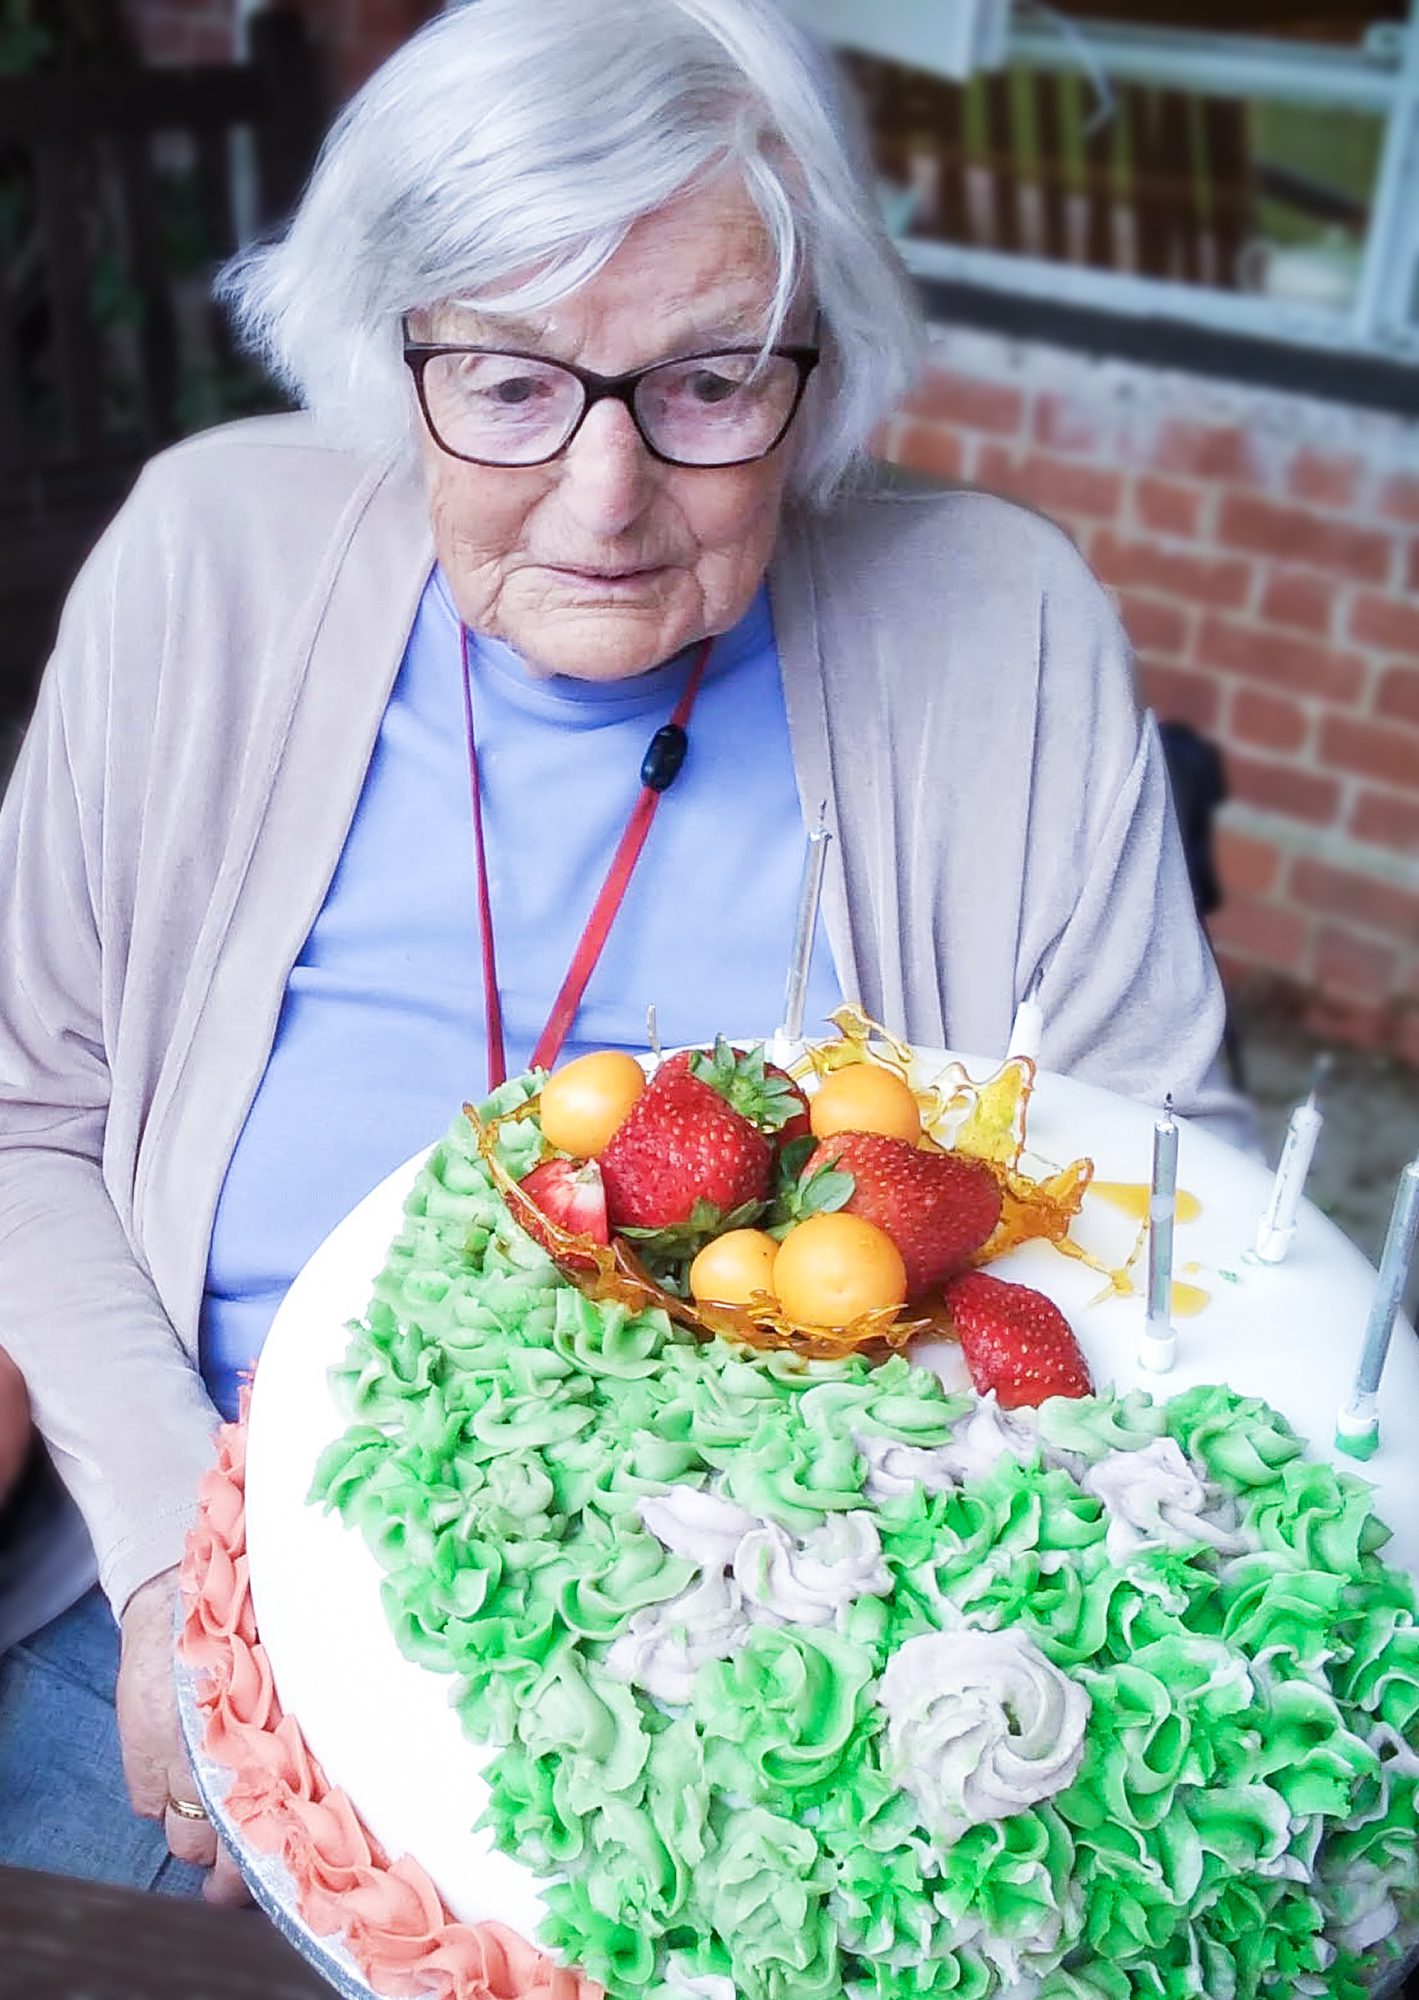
(745, 327)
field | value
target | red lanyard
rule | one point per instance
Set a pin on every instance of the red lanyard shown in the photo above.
(603, 914)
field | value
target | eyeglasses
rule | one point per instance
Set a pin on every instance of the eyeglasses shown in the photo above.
(497, 407)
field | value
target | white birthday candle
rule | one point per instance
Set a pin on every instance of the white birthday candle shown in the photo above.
(1157, 1345)
(1027, 1029)
(1278, 1224)
(1357, 1428)
(782, 1045)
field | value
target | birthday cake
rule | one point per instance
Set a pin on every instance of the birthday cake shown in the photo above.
(675, 1642)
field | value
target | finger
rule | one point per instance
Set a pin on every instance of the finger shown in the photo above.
(190, 1839)
(225, 1884)
(146, 1702)
(193, 1840)
(147, 1735)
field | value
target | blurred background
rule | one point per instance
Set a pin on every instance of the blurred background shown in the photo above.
(1171, 258)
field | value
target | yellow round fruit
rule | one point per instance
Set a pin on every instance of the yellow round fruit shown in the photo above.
(583, 1104)
(731, 1268)
(862, 1097)
(833, 1267)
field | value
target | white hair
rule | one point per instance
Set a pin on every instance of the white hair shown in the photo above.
(511, 136)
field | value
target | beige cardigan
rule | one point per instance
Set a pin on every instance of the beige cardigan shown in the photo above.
(957, 686)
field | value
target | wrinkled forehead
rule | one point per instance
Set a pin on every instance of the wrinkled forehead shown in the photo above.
(700, 271)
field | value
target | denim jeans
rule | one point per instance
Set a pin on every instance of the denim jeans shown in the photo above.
(63, 1804)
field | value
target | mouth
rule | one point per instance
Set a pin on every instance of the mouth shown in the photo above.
(623, 577)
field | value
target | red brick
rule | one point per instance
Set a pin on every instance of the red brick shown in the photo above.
(1295, 598)
(1248, 867)
(1398, 694)
(1204, 451)
(930, 449)
(1055, 485)
(1329, 1017)
(1282, 788)
(1221, 580)
(1399, 497)
(1250, 522)
(1322, 890)
(1263, 933)
(1386, 751)
(1153, 625)
(1386, 622)
(1387, 820)
(1168, 508)
(1063, 424)
(1355, 965)
(946, 397)
(1272, 721)
(1175, 695)
(1412, 580)
(1324, 480)
(1298, 665)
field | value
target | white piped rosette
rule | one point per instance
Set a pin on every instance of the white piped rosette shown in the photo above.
(981, 1726)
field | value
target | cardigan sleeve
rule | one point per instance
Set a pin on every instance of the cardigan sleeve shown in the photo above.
(118, 1400)
(1128, 988)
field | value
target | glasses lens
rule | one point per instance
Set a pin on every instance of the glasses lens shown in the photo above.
(500, 408)
(718, 407)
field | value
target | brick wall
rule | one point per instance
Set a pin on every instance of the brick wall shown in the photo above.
(1264, 553)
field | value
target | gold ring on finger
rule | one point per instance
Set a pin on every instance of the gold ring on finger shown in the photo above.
(186, 1808)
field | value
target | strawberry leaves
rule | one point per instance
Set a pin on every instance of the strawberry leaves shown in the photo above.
(797, 1194)
(749, 1084)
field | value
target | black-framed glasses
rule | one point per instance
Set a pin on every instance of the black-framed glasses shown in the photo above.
(497, 406)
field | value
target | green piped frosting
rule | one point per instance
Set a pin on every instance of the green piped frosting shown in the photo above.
(1243, 1803)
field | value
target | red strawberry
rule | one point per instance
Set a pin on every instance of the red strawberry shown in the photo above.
(679, 1144)
(1016, 1341)
(569, 1193)
(937, 1207)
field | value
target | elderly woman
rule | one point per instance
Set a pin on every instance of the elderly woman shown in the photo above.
(592, 316)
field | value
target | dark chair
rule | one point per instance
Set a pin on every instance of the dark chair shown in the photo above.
(121, 190)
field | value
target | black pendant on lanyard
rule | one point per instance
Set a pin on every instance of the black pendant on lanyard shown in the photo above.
(665, 753)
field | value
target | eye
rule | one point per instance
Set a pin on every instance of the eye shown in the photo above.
(500, 383)
(708, 387)
(514, 389)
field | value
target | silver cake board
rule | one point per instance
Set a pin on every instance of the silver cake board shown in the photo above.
(271, 1884)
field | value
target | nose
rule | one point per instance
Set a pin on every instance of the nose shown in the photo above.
(608, 476)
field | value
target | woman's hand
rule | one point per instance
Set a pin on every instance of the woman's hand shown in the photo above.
(15, 1430)
(155, 1761)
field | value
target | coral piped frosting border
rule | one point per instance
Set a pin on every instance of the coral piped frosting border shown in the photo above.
(388, 1913)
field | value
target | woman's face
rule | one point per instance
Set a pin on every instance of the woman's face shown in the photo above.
(604, 562)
